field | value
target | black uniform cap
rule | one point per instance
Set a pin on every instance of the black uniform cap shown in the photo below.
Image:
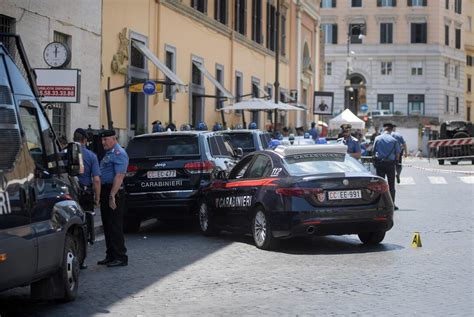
(81, 131)
(105, 133)
(388, 125)
(346, 126)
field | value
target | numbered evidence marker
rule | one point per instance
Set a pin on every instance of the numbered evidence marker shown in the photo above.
(416, 241)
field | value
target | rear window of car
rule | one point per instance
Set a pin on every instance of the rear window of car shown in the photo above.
(176, 145)
(322, 163)
(219, 147)
(242, 140)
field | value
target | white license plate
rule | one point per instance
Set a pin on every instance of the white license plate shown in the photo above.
(344, 194)
(161, 174)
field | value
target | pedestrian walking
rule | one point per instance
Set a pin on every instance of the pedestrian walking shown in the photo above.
(386, 153)
(403, 153)
(113, 168)
(353, 146)
(314, 132)
(89, 181)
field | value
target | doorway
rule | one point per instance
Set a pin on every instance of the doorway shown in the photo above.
(355, 94)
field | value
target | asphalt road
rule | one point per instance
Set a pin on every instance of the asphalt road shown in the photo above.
(178, 272)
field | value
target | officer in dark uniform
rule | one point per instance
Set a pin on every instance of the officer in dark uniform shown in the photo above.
(386, 154)
(113, 168)
(404, 152)
(353, 146)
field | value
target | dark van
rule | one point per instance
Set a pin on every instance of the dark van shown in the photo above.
(167, 171)
(43, 236)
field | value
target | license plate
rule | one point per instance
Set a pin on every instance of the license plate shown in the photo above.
(161, 174)
(344, 194)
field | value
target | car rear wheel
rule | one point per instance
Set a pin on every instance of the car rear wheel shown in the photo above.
(441, 162)
(131, 224)
(454, 162)
(206, 221)
(372, 238)
(261, 231)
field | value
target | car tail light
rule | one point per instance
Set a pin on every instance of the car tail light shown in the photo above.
(205, 167)
(380, 187)
(298, 191)
(131, 170)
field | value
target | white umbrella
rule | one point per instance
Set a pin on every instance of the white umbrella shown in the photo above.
(346, 117)
(251, 104)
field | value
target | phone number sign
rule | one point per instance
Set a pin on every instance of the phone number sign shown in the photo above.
(58, 85)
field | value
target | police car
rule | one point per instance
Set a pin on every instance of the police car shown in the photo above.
(167, 171)
(298, 191)
(248, 140)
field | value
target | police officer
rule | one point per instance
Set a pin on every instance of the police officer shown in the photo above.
(386, 153)
(403, 153)
(314, 132)
(353, 146)
(113, 168)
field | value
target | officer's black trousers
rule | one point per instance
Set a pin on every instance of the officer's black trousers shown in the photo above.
(399, 166)
(387, 168)
(112, 221)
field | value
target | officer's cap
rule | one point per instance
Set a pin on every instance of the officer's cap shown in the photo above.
(81, 131)
(106, 133)
(346, 126)
(388, 125)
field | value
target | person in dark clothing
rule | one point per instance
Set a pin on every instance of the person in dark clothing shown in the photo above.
(386, 154)
(404, 151)
(113, 168)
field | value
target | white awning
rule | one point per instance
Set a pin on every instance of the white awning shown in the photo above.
(159, 64)
(290, 98)
(214, 81)
(265, 94)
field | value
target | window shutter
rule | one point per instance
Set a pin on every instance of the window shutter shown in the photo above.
(424, 3)
(334, 3)
(425, 33)
(409, 3)
(379, 3)
(237, 15)
(413, 32)
(394, 3)
(390, 33)
(245, 17)
(334, 34)
(260, 39)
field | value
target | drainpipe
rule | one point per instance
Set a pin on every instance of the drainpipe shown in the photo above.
(298, 58)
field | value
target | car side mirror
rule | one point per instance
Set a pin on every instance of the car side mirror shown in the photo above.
(221, 175)
(238, 152)
(75, 163)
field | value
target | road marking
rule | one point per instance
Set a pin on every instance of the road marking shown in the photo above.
(407, 181)
(467, 179)
(437, 180)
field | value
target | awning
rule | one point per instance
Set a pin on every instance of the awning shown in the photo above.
(265, 94)
(159, 64)
(261, 104)
(290, 98)
(214, 81)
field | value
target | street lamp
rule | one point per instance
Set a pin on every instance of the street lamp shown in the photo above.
(361, 36)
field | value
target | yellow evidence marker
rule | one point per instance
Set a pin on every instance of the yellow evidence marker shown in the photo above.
(416, 242)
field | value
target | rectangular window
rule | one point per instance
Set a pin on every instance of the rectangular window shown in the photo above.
(469, 60)
(446, 70)
(417, 3)
(257, 21)
(7, 25)
(356, 3)
(386, 3)
(457, 104)
(220, 11)
(458, 38)
(418, 33)
(240, 16)
(447, 104)
(137, 59)
(355, 30)
(446, 35)
(170, 60)
(269, 90)
(385, 102)
(200, 5)
(196, 75)
(416, 104)
(468, 111)
(458, 6)
(330, 33)
(386, 33)
(220, 79)
(271, 26)
(386, 68)
(417, 69)
(328, 69)
(238, 89)
(283, 35)
(469, 24)
(446, 4)
(328, 3)
(469, 82)
(456, 72)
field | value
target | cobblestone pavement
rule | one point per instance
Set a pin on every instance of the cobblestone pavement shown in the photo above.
(177, 273)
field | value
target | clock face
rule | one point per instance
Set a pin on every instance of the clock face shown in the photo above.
(56, 54)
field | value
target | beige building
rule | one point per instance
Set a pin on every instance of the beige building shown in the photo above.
(410, 59)
(212, 48)
(469, 48)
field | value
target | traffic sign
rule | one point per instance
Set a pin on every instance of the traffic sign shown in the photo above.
(364, 107)
(149, 87)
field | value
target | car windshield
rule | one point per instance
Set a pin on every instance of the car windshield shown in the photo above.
(242, 140)
(162, 146)
(322, 163)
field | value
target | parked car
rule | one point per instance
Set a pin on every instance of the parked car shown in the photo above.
(167, 171)
(249, 140)
(43, 231)
(298, 190)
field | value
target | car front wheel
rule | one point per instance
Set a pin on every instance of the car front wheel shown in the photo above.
(70, 269)
(206, 221)
(261, 231)
(372, 238)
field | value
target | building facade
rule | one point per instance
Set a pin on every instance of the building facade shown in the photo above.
(214, 48)
(469, 48)
(77, 24)
(406, 56)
